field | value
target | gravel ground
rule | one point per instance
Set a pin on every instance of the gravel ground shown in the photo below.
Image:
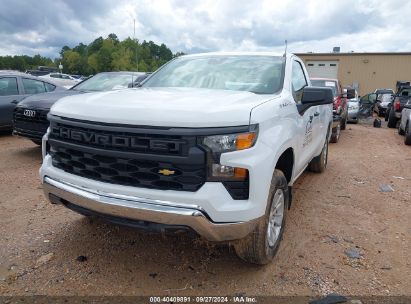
(343, 235)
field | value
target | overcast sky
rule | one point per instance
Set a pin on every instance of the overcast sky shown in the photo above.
(44, 26)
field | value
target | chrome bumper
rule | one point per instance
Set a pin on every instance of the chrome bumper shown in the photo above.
(155, 211)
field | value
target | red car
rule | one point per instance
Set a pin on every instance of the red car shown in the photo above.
(340, 98)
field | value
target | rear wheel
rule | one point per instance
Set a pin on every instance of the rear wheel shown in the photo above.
(319, 163)
(392, 120)
(335, 135)
(261, 245)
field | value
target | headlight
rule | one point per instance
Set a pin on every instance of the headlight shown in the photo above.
(218, 144)
(231, 142)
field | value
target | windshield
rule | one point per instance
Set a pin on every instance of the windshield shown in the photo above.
(385, 98)
(257, 74)
(105, 82)
(325, 83)
(384, 91)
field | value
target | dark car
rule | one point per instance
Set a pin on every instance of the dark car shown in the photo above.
(394, 110)
(15, 86)
(30, 116)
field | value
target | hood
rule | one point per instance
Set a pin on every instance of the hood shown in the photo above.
(45, 100)
(170, 107)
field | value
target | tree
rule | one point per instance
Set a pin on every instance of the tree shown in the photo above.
(100, 55)
(71, 61)
(93, 63)
(142, 66)
(64, 49)
(121, 59)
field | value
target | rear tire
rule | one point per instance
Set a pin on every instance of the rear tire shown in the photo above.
(335, 135)
(261, 245)
(319, 163)
(392, 120)
(407, 133)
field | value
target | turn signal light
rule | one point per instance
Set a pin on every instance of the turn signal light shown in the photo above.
(245, 140)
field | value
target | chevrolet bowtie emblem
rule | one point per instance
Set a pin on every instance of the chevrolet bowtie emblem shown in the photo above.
(166, 172)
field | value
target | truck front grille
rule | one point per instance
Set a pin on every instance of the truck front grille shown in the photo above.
(127, 171)
(123, 156)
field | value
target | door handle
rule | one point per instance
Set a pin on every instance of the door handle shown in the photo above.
(317, 114)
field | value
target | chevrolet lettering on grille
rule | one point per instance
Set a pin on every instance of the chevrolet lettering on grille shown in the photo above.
(118, 141)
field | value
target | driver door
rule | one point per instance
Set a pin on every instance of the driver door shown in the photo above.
(367, 103)
(309, 122)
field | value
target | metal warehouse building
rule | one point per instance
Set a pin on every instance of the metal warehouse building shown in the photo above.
(364, 71)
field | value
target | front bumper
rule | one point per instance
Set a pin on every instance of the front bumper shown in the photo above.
(353, 115)
(140, 209)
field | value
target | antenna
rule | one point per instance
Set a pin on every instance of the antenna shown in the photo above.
(285, 50)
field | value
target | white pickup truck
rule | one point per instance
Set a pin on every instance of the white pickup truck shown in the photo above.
(210, 143)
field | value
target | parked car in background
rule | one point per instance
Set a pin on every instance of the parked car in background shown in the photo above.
(404, 127)
(340, 107)
(384, 91)
(14, 87)
(402, 96)
(367, 105)
(353, 108)
(383, 101)
(64, 80)
(30, 115)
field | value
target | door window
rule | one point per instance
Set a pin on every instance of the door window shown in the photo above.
(298, 80)
(49, 87)
(32, 86)
(8, 86)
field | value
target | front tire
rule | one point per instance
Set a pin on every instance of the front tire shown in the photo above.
(261, 245)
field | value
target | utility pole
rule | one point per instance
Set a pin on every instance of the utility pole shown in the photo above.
(135, 40)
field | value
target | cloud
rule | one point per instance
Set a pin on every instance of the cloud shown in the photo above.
(44, 26)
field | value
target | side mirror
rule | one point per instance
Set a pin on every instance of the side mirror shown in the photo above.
(351, 93)
(315, 96)
(133, 84)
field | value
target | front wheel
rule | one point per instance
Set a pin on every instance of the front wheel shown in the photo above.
(261, 245)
